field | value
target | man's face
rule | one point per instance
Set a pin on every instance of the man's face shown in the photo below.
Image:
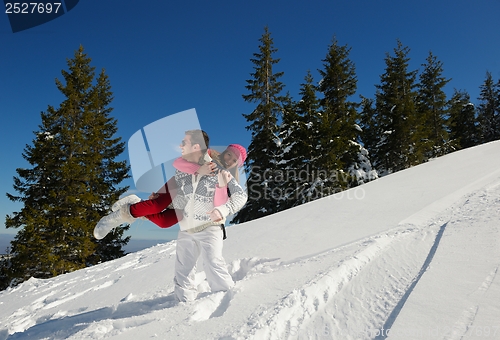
(186, 146)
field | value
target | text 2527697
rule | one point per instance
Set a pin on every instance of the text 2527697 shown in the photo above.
(32, 7)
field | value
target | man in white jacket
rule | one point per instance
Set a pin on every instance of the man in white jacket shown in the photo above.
(201, 224)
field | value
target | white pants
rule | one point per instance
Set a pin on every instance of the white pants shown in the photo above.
(208, 243)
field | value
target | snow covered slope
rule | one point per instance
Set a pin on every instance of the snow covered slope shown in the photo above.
(413, 255)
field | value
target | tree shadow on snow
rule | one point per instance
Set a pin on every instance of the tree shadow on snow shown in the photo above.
(67, 326)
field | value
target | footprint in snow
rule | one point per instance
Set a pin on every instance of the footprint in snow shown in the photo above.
(212, 305)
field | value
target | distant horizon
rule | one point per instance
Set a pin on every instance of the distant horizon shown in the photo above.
(135, 244)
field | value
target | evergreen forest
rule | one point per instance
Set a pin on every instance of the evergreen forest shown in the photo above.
(330, 138)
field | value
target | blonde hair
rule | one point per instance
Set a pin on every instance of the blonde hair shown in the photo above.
(217, 157)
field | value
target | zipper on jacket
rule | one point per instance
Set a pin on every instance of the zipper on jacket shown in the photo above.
(191, 201)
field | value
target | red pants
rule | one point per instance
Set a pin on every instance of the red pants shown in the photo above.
(156, 210)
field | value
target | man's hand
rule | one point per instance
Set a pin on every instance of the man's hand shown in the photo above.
(215, 215)
(207, 168)
(153, 196)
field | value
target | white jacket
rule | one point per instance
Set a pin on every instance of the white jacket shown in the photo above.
(195, 196)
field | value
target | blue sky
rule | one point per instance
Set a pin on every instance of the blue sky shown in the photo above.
(163, 57)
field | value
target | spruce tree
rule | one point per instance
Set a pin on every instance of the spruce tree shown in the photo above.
(464, 131)
(489, 110)
(264, 151)
(368, 127)
(72, 180)
(497, 115)
(289, 132)
(339, 132)
(396, 114)
(300, 129)
(431, 137)
(368, 122)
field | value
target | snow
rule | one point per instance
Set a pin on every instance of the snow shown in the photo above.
(412, 255)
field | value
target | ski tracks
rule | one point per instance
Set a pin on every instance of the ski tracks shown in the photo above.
(463, 327)
(466, 325)
(353, 296)
(461, 284)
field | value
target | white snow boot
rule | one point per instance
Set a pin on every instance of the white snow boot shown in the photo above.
(116, 218)
(130, 199)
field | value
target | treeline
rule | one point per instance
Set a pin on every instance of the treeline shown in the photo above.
(327, 140)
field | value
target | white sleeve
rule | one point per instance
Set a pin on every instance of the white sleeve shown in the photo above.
(238, 198)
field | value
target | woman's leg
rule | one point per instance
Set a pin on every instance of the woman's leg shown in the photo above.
(156, 210)
(157, 205)
(166, 218)
(151, 207)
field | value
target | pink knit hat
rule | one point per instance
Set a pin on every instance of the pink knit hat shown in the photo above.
(239, 151)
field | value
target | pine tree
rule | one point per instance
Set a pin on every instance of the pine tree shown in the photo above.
(300, 129)
(339, 132)
(464, 131)
(72, 180)
(431, 137)
(289, 133)
(368, 122)
(497, 111)
(396, 114)
(489, 110)
(264, 151)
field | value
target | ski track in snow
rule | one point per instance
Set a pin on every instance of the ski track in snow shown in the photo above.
(466, 321)
(330, 293)
(464, 326)
(464, 210)
(395, 312)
